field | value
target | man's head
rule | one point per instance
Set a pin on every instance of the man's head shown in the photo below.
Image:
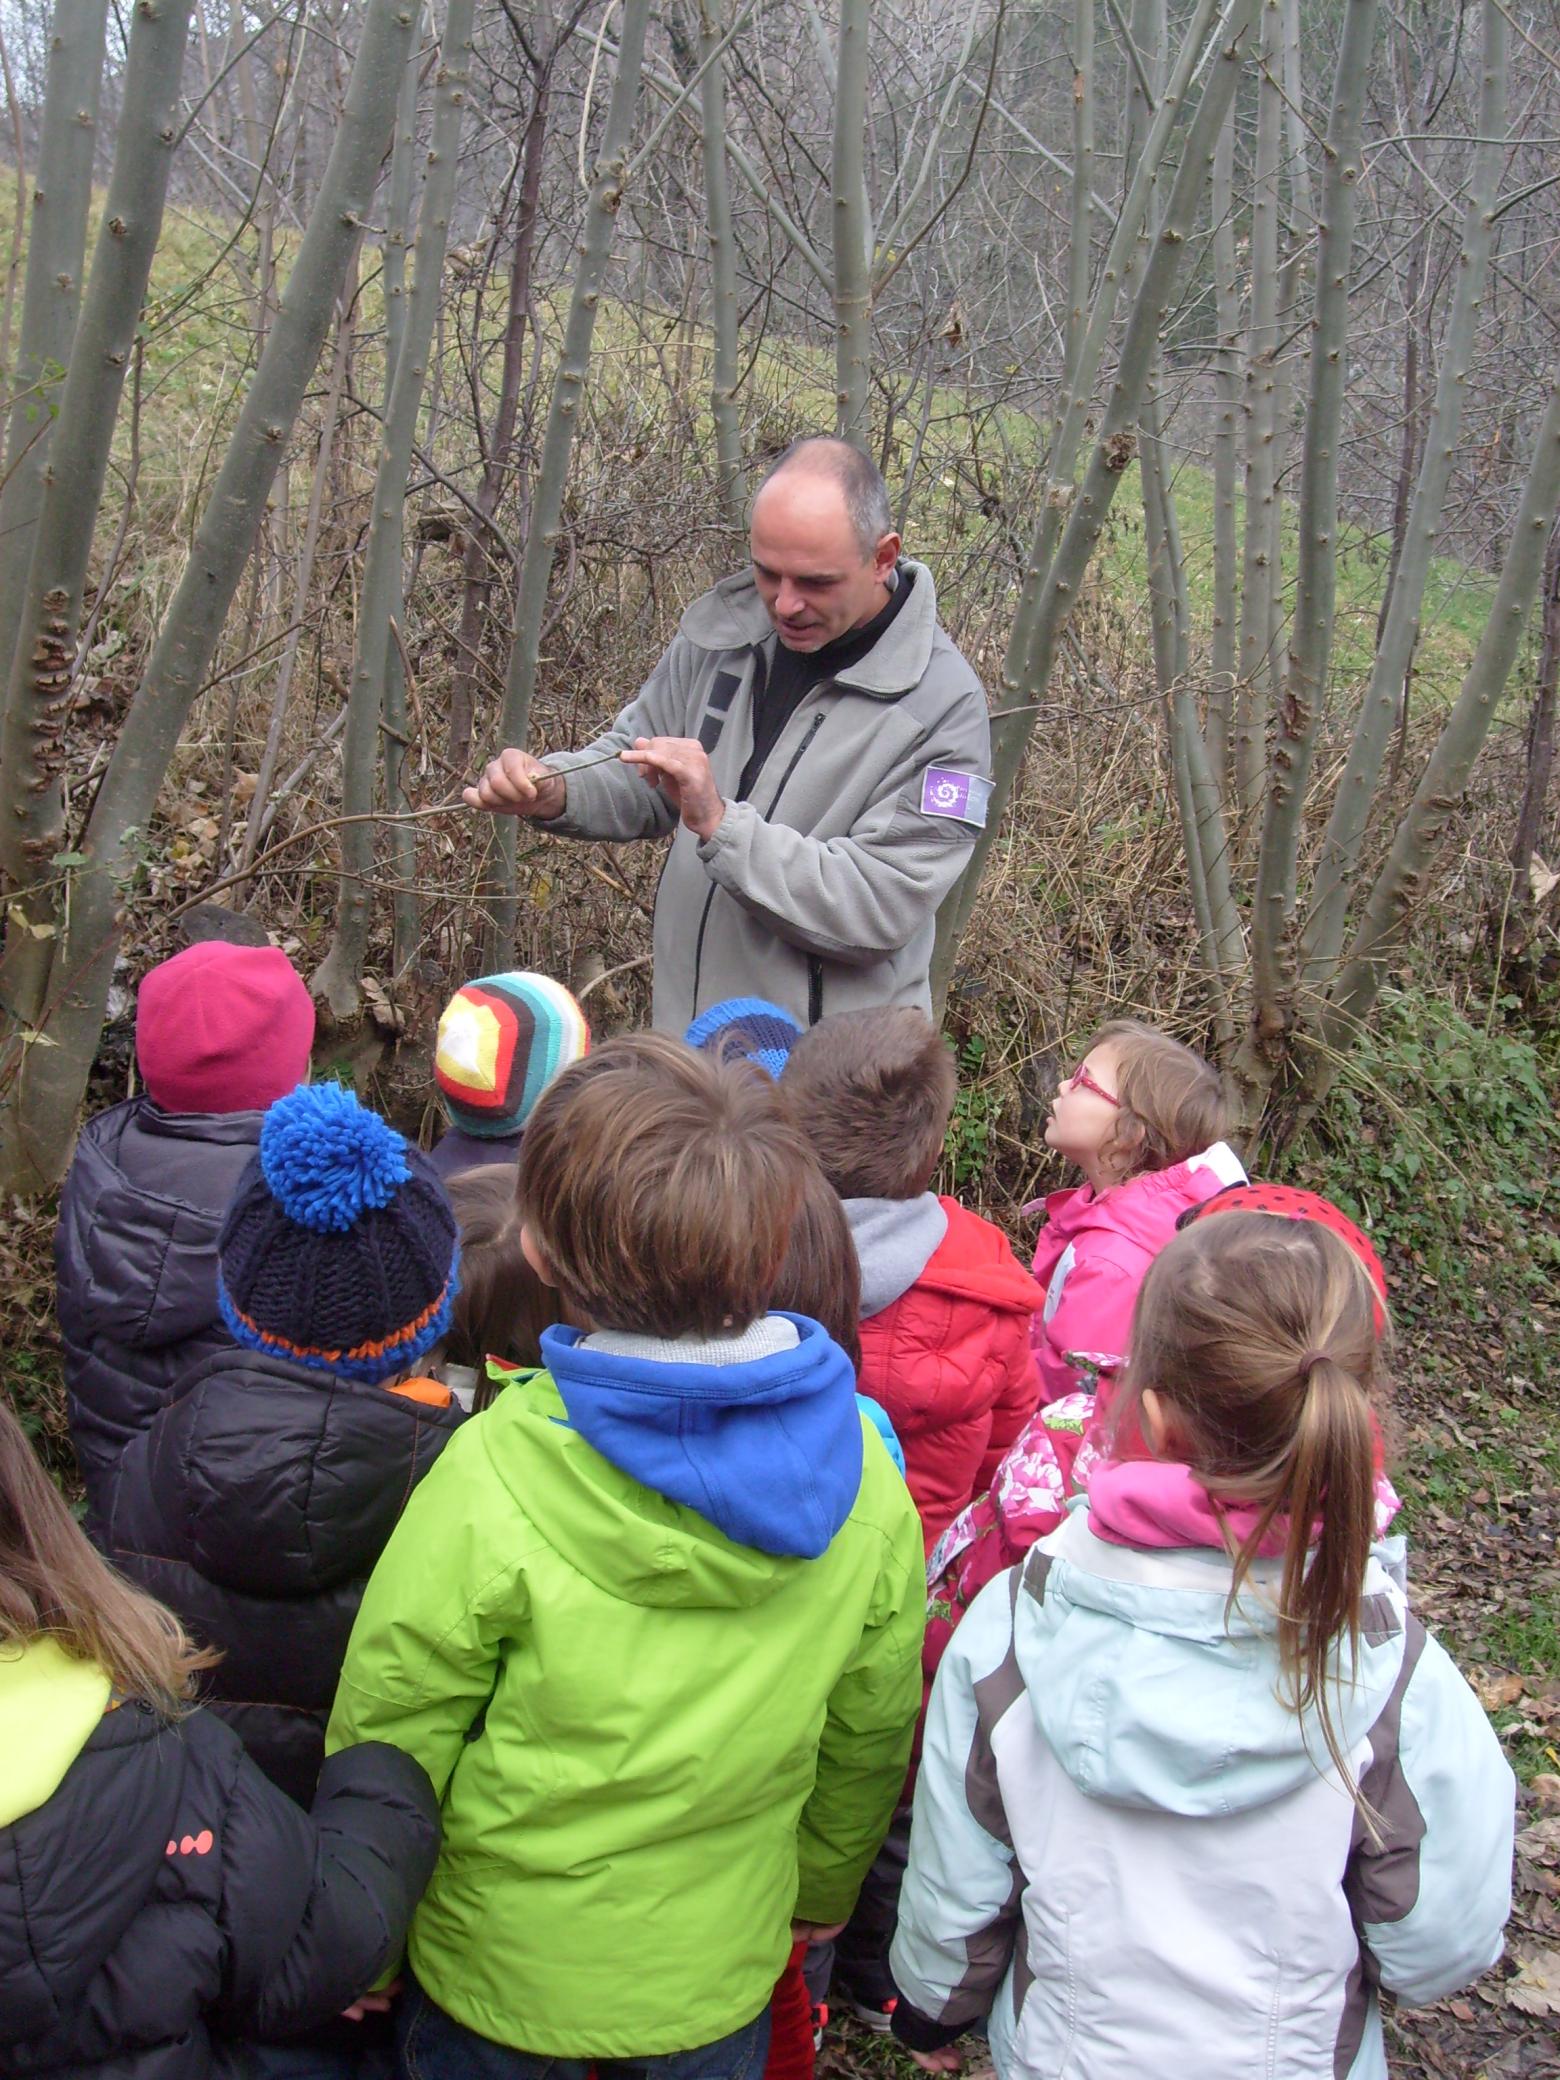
(823, 542)
(875, 1089)
(659, 1188)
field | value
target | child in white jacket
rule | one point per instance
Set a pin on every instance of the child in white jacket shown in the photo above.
(1195, 1782)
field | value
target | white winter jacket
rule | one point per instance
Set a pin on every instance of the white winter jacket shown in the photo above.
(1141, 1863)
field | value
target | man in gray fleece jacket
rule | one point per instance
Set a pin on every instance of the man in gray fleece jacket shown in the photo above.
(817, 748)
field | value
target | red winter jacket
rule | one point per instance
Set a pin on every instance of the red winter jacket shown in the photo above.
(945, 1349)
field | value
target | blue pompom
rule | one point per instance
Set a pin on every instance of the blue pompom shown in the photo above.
(326, 1158)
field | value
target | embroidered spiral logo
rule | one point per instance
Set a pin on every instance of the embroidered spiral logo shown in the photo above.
(946, 793)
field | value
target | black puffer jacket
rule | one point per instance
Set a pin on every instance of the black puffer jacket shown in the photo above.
(255, 1506)
(135, 1254)
(167, 1901)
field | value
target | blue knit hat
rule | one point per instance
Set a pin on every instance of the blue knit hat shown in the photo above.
(764, 1033)
(339, 1250)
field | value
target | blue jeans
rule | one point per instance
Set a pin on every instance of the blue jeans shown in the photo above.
(431, 2045)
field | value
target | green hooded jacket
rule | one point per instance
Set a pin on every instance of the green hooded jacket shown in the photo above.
(654, 1746)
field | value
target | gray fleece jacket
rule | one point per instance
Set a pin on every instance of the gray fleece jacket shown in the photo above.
(820, 891)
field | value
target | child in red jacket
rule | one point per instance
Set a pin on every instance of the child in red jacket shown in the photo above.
(945, 1305)
(945, 1331)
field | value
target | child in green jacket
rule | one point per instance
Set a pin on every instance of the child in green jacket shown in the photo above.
(653, 1623)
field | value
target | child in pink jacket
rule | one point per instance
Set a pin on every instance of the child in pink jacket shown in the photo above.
(1141, 1116)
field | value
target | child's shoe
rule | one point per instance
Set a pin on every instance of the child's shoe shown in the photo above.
(877, 2019)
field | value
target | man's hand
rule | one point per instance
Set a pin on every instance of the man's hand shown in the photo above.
(680, 767)
(945, 2061)
(516, 784)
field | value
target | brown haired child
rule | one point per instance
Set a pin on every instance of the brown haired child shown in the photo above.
(502, 1306)
(946, 1308)
(653, 1623)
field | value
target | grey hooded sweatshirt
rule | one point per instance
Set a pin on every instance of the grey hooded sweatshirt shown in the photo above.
(820, 890)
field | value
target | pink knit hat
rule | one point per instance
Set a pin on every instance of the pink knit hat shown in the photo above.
(222, 1028)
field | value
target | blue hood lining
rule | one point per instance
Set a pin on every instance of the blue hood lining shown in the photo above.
(768, 1451)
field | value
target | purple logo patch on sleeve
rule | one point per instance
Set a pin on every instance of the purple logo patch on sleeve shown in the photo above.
(961, 795)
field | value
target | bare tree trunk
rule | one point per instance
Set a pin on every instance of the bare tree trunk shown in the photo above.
(1082, 197)
(400, 207)
(376, 721)
(38, 1111)
(1540, 733)
(851, 221)
(723, 273)
(1113, 450)
(13, 265)
(1401, 881)
(31, 747)
(1273, 953)
(477, 557)
(1226, 454)
(1261, 585)
(56, 253)
(1338, 862)
(541, 542)
(303, 573)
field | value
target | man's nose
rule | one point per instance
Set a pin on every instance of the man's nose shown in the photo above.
(788, 601)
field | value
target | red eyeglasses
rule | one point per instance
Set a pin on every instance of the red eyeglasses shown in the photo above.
(1080, 1079)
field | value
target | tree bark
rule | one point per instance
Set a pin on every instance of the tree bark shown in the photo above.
(606, 196)
(32, 752)
(376, 732)
(1401, 881)
(56, 254)
(38, 1111)
(1338, 861)
(723, 273)
(1112, 452)
(1273, 953)
(851, 221)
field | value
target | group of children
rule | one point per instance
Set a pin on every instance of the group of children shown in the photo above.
(564, 1600)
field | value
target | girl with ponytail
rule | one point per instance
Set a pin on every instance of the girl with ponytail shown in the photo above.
(1195, 1782)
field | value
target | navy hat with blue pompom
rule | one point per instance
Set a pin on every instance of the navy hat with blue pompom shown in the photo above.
(340, 1250)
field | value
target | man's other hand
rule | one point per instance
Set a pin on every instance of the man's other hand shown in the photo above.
(680, 767)
(516, 784)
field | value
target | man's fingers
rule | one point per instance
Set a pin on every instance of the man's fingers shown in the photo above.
(514, 784)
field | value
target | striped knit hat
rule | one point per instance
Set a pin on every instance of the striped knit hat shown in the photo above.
(502, 1040)
(765, 1033)
(339, 1250)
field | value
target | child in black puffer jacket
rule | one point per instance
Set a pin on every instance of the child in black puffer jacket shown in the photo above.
(220, 1032)
(160, 1900)
(262, 1493)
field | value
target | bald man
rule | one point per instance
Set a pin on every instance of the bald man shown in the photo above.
(815, 744)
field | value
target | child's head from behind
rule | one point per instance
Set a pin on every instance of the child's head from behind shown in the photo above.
(874, 1090)
(52, 1584)
(660, 1188)
(821, 1276)
(1254, 1356)
(222, 1028)
(501, 1041)
(502, 1307)
(339, 1251)
(1137, 1101)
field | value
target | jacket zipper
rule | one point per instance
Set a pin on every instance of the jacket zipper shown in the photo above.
(785, 780)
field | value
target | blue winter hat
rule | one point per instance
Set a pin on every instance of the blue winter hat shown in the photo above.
(339, 1250)
(764, 1033)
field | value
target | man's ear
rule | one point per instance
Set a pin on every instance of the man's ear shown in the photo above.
(534, 1255)
(885, 556)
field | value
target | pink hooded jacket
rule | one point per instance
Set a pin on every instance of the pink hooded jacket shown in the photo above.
(1093, 1252)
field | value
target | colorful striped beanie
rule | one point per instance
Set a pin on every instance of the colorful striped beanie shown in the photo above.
(502, 1040)
(339, 1251)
